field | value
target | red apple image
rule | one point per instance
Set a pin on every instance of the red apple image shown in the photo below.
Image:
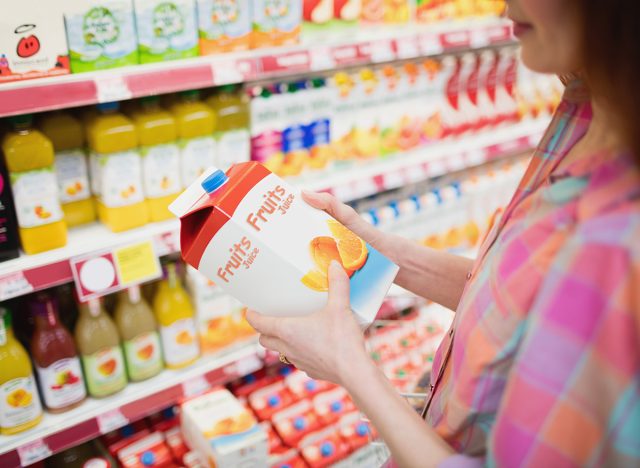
(317, 11)
(28, 46)
(347, 10)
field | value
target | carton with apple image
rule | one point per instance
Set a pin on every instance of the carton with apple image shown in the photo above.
(327, 14)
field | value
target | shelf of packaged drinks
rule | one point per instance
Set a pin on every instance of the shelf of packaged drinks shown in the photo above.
(30, 273)
(317, 52)
(95, 417)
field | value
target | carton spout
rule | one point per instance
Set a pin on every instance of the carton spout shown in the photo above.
(194, 192)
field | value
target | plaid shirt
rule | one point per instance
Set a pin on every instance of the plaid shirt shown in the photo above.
(541, 366)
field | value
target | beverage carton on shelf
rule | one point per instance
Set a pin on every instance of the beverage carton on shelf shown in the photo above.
(251, 233)
(223, 432)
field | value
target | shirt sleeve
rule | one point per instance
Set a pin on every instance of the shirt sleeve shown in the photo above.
(572, 397)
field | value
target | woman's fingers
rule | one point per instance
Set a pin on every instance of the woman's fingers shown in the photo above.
(338, 288)
(263, 324)
(272, 343)
(327, 202)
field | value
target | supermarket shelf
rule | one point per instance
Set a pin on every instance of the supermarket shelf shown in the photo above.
(371, 177)
(30, 273)
(318, 52)
(95, 417)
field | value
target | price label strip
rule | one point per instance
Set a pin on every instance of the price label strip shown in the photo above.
(111, 420)
(111, 88)
(14, 285)
(33, 452)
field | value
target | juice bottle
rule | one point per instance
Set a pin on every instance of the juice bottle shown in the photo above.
(157, 135)
(175, 315)
(138, 329)
(67, 135)
(117, 169)
(9, 243)
(98, 341)
(29, 157)
(20, 407)
(56, 359)
(196, 123)
(231, 106)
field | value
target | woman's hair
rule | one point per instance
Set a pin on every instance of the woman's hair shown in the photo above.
(611, 54)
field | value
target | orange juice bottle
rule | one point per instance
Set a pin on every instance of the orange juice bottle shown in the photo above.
(67, 135)
(157, 132)
(196, 123)
(175, 315)
(29, 156)
(20, 407)
(117, 169)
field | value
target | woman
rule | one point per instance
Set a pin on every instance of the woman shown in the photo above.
(541, 366)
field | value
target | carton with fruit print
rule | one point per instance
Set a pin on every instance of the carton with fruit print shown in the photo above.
(223, 431)
(251, 233)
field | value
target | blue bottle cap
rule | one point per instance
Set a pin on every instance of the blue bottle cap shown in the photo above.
(299, 423)
(362, 429)
(214, 181)
(311, 385)
(251, 378)
(274, 400)
(336, 406)
(148, 458)
(326, 449)
(127, 431)
(108, 106)
(284, 371)
(285, 466)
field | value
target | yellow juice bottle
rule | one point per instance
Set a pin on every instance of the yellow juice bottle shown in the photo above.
(67, 135)
(20, 407)
(157, 132)
(29, 156)
(116, 169)
(196, 123)
(175, 315)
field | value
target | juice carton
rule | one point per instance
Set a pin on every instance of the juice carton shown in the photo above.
(268, 400)
(331, 405)
(101, 34)
(166, 30)
(250, 383)
(224, 25)
(32, 42)
(321, 103)
(369, 95)
(356, 432)
(276, 23)
(294, 137)
(345, 117)
(175, 442)
(470, 114)
(275, 443)
(302, 386)
(506, 80)
(386, 11)
(347, 11)
(323, 448)
(223, 432)
(429, 11)
(317, 14)
(431, 86)
(214, 321)
(251, 232)
(478, 92)
(296, 421)
(391, 110)
(147, 451)
(286, 458)
(267, 124)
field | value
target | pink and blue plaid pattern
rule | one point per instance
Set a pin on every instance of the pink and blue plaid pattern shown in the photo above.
(542, 364)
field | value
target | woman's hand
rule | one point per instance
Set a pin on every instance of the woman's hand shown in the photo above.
(384, 243)
(326, 344)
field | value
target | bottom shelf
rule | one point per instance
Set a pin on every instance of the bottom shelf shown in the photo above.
(95, 417)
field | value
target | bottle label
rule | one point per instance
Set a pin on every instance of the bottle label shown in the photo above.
(120, 178)
(19, 402)
(143, 356)
(179, 342)
(36, 197)
(196, 155)
(73, 176)
(104, 371)
(61, 383)
(234, 146)
(161, 170)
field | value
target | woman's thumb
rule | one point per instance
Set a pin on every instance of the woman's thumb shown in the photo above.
(338, 287)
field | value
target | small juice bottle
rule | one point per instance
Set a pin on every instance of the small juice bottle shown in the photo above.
(231, 106)
(196, 123)
(56, 359)
(175, 315)
(157, 135)
(29, 157)
(138, 329)
(117, 169)
(98, 341)
(20, 407)
(67, 135)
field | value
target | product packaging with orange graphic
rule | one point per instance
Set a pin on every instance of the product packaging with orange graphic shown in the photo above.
(252, 234)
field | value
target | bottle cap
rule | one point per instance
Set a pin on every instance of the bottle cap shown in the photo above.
(214, 181)
(149, 101)
(148, 459)
(105, 107)
(298, 423)
(336, 406)
(326, 449)
(274, 400)
(311, 385)
(362, 429)
(190, 95)
(21, 121)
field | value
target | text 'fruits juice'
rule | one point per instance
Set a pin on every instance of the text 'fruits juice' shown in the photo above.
(251, 233)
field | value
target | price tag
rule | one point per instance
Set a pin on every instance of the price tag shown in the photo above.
(167, 243)
(248, 365)
(407, 47)
(111, 88)
(137, 263)
(456, 162)
(322, 59)
(14, 285)
(437, 168)
(479, 38)
(225, 72)
(476, 157)
(382, 51)
(195, 386)
(345, 55)
(430, 44)
(111, 420)
(33, 452)
(363, 188)
(393, 180)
